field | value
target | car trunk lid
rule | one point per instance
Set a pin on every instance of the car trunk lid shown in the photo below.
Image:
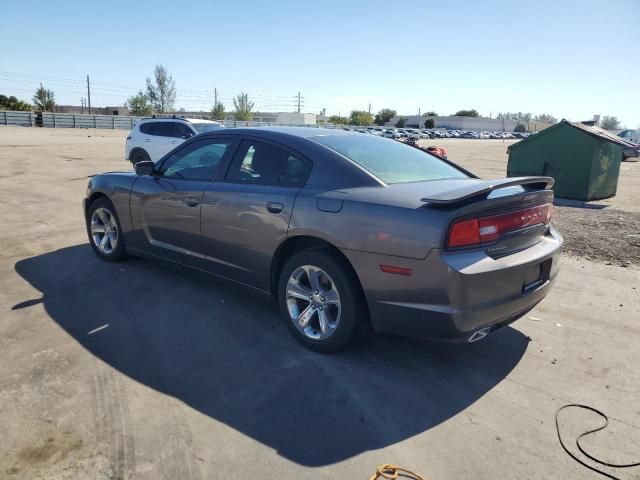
(500, 216)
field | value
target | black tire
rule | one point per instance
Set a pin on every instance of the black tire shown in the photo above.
(139, 155)
(115, 250)
(353, 310)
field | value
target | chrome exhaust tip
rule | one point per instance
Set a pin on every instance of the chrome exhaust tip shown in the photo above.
(479, 334)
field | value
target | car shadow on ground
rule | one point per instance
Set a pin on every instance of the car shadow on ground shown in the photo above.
(226, 353)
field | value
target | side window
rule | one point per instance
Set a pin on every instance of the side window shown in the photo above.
(148, 128)
(164, 129)
(265, 164)
(180, 130)
(197, 161)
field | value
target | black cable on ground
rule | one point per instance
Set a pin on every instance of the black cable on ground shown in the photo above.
(581, 436)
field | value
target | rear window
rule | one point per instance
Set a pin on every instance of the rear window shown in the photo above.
(390, 161)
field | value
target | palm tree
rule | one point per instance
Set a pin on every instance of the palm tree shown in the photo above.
(44, 99)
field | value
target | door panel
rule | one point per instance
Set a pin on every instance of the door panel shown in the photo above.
(246, 217)
(165, 206)
(166, 215)
(242, 226)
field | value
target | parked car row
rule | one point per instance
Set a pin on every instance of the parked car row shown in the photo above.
(424, 133)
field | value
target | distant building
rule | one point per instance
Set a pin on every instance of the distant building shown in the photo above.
(476, 124)
(94, 110)
(286, 118)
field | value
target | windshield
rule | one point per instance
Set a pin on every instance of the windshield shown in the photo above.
(389, 160)
(206, 127)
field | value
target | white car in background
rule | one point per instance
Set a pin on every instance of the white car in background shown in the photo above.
(152, 138)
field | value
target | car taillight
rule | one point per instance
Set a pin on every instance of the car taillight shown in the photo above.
(474, 231)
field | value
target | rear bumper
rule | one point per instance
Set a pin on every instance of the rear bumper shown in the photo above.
(449, 296)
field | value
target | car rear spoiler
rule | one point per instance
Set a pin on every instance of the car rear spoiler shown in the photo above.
(482, 187)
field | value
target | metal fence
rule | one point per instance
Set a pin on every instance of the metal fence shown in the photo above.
(66, 120)
(79, 120)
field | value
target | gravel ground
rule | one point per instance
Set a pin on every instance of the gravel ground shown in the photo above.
(606, 235)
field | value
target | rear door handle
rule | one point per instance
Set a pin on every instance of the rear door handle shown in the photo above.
(174, 141)
(148, 140)
(274, 207)
(191, 201)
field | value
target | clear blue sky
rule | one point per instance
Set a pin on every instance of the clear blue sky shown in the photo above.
(572, 59)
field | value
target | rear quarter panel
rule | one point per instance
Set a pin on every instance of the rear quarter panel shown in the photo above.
(373, 228)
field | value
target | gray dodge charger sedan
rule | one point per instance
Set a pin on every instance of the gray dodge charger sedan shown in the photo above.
(345, 230)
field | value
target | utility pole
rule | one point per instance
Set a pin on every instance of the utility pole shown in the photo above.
(89, 94)
(418, 111)
(298, 102)
(215, 97)
(82, 104)
(369, 108)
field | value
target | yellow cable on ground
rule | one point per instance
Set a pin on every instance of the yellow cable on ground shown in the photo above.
(392, 472)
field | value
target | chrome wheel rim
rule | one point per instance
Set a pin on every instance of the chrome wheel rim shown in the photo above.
(104, 230)
(313, 302)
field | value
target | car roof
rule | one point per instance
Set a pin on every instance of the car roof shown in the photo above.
(175, 119)
(275, 132)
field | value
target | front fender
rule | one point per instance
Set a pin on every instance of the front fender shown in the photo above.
(117, 188)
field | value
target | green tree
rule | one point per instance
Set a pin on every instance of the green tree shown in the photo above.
(360, 117)
(384, 115)
(12, 103)
(161, 92)
(44, 99)
(545, 118)
(521, 127)
(429, 123)
(217, 113)
(139, 105)
(402, 121)
(243, 107)
(609, 123)
(466, 113)
(338, 120)
(430, 114)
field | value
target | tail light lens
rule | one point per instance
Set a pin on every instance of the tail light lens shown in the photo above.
(475, 231)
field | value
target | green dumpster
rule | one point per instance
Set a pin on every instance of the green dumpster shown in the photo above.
(583, 160)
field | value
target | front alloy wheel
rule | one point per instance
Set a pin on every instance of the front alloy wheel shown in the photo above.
(104, 230)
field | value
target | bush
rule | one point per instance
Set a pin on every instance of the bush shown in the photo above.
(520, 128)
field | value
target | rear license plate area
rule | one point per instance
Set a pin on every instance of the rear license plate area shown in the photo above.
(536, 276)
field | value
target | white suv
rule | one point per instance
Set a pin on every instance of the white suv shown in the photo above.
(152, 138)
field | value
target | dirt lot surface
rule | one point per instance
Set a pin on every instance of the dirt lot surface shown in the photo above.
(140, 370)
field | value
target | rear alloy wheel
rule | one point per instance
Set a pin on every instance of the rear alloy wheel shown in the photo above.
(320, 300)
(105, 233)
(313, 302)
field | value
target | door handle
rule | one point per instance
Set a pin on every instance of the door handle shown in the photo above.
(274, 207)
(174, 141)
(191, 201)
(148, 140)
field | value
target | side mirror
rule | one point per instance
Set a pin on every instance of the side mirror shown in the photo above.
(144, 168)
(186, 136)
